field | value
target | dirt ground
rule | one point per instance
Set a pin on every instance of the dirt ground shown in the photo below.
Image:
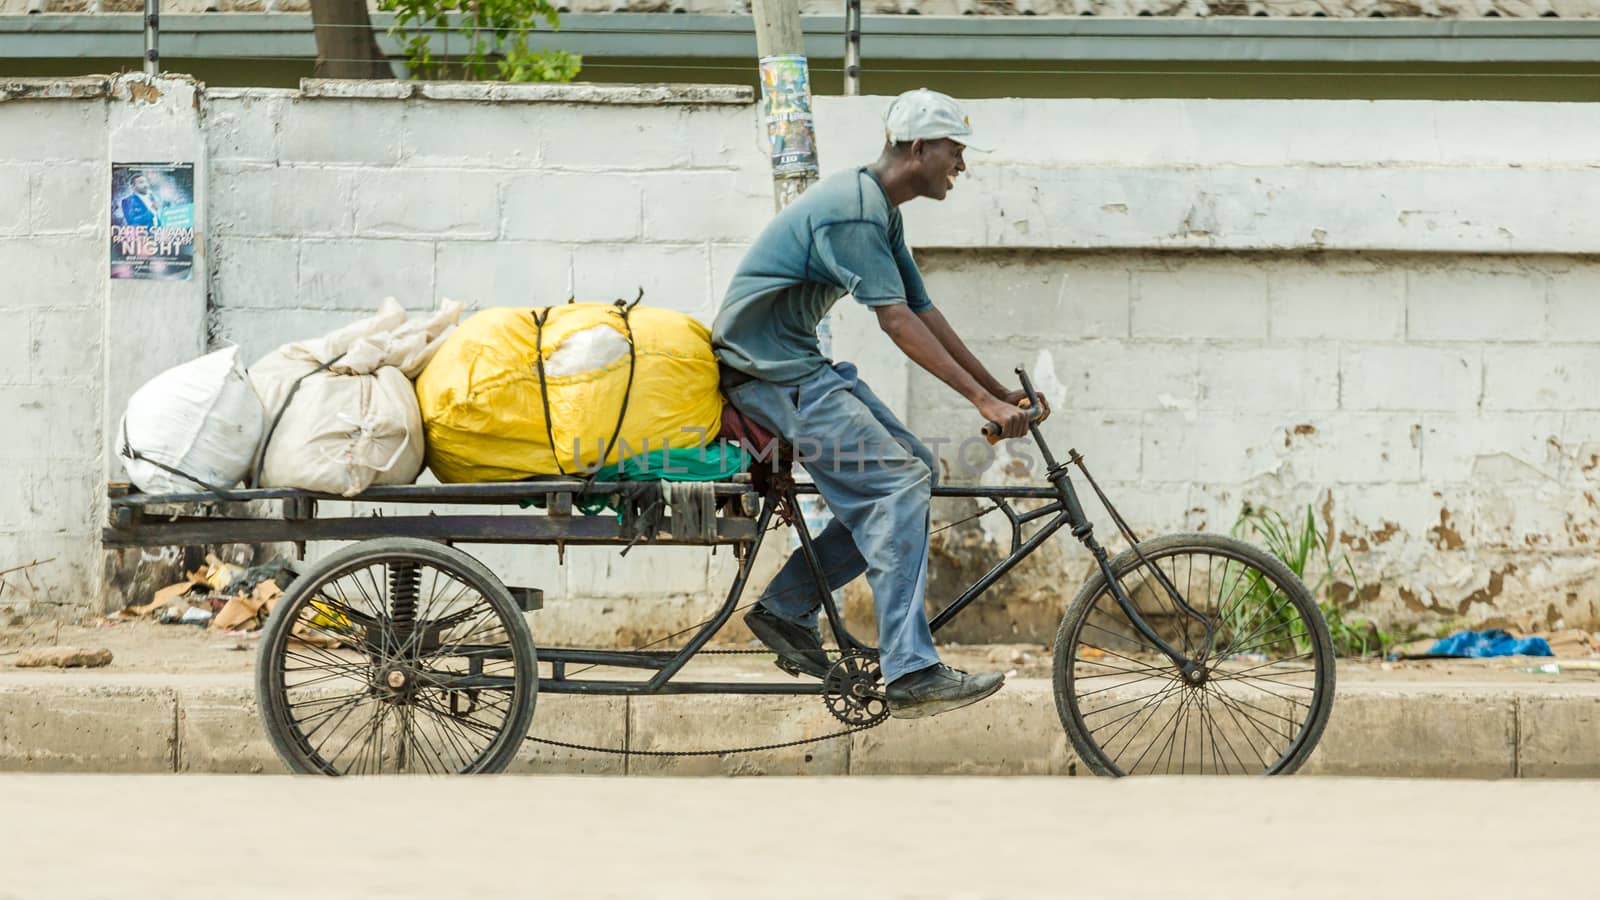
(142, 646)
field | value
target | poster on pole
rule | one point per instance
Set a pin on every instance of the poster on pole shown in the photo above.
(786, 104)
(152, 221)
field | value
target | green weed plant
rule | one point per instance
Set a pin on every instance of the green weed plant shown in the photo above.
(1310, 554)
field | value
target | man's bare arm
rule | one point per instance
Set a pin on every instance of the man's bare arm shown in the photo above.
(957, 349)
(912, 335)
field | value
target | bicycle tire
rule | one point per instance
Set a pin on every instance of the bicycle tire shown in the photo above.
(1076, 648)
(312, 611)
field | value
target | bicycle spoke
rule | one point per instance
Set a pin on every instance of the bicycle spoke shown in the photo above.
(381, 699)
(1135, 766)
(1261, 729)
(1130, 711)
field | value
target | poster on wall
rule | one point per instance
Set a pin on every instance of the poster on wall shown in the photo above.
(786, 104)
(152, 221)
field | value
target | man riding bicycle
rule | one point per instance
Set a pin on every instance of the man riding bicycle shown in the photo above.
(845, 235)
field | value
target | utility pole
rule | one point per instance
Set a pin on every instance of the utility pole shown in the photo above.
(786, 97)
(786, 106)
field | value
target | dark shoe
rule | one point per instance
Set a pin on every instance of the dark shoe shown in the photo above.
(939, 689)
(799, 648)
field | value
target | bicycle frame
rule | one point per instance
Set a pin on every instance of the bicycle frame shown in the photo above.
(1063, 510)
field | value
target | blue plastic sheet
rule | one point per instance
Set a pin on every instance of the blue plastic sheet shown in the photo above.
(1492, 642)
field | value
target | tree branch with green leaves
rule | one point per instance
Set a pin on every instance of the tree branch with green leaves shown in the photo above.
(494, 36)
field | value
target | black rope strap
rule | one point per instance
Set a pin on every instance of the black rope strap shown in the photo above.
(272, 427)
(623, 308)
(540, 316)
(128, 451)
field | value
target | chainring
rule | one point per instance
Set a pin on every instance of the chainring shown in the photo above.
(853, 690)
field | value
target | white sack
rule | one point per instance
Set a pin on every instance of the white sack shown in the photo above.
(355, 423)
(201, 418)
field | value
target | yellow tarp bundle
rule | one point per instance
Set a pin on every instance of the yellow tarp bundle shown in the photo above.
(485, 419)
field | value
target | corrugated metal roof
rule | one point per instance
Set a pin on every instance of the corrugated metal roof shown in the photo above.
(1335, 9)
(911, 38)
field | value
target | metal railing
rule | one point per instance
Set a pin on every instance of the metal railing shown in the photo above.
(852, 48)
(152, 37)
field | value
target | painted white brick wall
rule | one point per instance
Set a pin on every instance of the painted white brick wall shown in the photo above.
(1255, 175)
(1432, 419)
(53, 248)
(490, 203)
(1385, 310)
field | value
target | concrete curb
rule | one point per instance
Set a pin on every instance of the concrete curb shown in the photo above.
(208, 724)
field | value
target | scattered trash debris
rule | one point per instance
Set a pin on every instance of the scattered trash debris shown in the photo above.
(1571, 643)
(162, 599)
(189, 615)
(1492, 642)
(219, 574)
(245, 613)
(64, 658)
(223, 596)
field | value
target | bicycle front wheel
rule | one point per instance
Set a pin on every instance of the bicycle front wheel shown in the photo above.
(1268, 668)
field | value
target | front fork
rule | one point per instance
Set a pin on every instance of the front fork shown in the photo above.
(1193, 670)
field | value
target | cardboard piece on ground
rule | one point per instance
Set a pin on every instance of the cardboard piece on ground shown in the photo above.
(236, 612)
(241, 611)
(267, 593)
(163, 598)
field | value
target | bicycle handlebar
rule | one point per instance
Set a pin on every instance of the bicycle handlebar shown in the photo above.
(1036, 409)
(992, 431)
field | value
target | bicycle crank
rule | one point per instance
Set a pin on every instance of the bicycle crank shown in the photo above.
(853, 690)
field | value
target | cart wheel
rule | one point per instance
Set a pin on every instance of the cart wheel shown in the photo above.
(396, 655)
(1264, 690)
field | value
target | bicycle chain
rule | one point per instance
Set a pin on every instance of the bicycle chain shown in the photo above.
(728, 752)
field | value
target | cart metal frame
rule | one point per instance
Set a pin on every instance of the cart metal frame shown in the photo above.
(145, 520)
(744, 517)
(134, 523)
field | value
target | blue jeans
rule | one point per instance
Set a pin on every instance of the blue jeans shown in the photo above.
(878, 481)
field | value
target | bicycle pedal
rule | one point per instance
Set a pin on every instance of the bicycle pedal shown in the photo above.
(788, 667)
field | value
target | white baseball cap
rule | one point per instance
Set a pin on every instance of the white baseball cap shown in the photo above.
(924, 115)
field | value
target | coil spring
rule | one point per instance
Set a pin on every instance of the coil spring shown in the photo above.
(404, 580)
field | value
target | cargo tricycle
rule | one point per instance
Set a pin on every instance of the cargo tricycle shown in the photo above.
(402, 653)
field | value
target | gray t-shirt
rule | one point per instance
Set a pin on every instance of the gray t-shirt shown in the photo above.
(841, 237)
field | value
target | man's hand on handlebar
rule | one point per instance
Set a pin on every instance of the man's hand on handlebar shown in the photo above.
(1020, 398)
(1010, 420)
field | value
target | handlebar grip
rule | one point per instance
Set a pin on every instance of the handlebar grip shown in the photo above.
(991, 431)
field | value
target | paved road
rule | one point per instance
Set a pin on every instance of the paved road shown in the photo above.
(205, 837)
